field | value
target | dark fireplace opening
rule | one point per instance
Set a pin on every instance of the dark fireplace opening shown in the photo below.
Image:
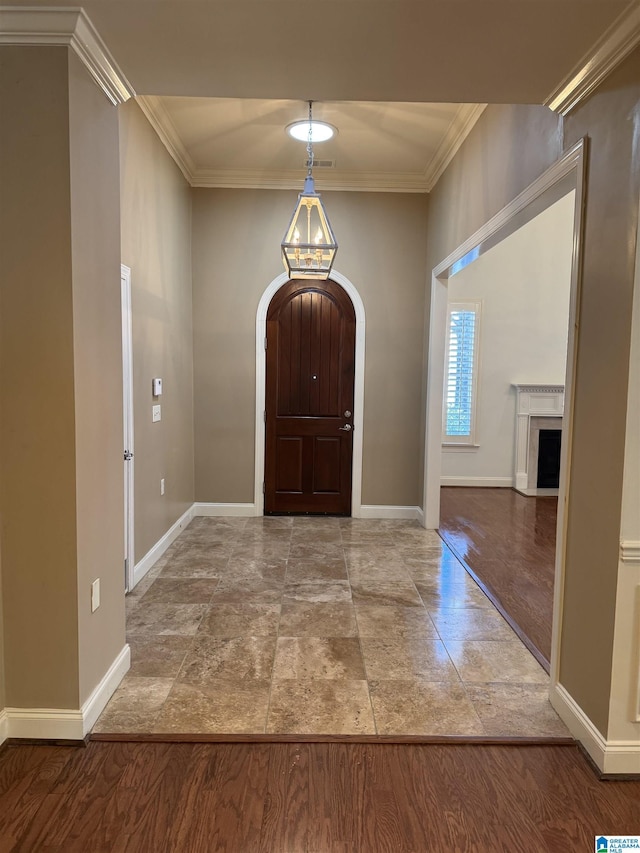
(549, 458)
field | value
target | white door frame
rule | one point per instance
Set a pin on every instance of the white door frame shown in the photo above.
(127, 419)
(358, 402)
(497, 229)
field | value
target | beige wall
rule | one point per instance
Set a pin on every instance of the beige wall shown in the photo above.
(508, 149)
(37, 417)
(61, 493)
(236, 254)
(610, 119)
(156, 245)
(95, 246)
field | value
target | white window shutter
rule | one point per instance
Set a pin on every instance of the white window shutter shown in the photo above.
(461, 369)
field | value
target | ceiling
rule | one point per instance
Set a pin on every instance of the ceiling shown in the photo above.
(231, 142)
(403, 80)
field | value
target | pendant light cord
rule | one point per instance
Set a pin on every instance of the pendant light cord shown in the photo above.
(310, 142)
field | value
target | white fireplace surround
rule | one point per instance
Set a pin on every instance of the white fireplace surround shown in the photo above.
(534, 405)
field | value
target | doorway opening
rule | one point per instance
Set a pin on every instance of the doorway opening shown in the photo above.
(564, 177)
(358, 390)
(310, 345)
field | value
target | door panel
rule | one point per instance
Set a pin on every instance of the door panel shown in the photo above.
(310, 381)
(289, 470)
(326, 464)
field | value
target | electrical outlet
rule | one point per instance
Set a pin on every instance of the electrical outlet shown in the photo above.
(95, 595)
(162, 486)
(156, 413)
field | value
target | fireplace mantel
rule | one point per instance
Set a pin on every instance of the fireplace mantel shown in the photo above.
(532, 401)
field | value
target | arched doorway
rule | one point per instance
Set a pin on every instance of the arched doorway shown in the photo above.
(310, 373)
(358, 398)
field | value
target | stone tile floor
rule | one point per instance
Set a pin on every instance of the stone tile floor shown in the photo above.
(299, 625)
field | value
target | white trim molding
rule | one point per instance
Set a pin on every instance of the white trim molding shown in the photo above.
(481, 482)
(570, 160)
(4, 726)
(607, 53)
(613, 756)
(72, 28)
(358, 400)
(156, 114)
(45, 723)
(461, 126)
(630, 552)
(411, 513)
(215, 510)
(154, 553)
(65, 723)
(289, 179)
(128, 424)
(97, 702)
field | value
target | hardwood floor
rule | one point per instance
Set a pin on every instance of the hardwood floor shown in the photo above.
(307, 798)
(508, 542)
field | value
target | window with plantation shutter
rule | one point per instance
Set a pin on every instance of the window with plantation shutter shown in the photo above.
(461, 373)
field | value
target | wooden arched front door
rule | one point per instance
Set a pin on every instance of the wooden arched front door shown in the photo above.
(311, 331)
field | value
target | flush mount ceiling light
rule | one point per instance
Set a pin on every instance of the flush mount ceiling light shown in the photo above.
(320, 131)
(309, 246)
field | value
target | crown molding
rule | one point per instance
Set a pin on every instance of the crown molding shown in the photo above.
(162, 123)
(459, 129)
(70, 27)
(608, 52)
(292, 179)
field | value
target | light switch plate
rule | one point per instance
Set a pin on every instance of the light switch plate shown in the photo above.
(156, 414)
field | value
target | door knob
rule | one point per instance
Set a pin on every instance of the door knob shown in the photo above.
(346, 427)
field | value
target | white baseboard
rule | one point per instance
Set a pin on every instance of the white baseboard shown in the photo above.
(97, 702)
(4, 726)
(612, 756)
(45, 723)
(487, 482)
(154, 554)
(196, 509)
(413, 513)
(211, 510)
(63, 723)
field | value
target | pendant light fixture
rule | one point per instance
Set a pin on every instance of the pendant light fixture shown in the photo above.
(309, 246)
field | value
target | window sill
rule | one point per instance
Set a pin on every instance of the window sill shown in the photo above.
(448, 448)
